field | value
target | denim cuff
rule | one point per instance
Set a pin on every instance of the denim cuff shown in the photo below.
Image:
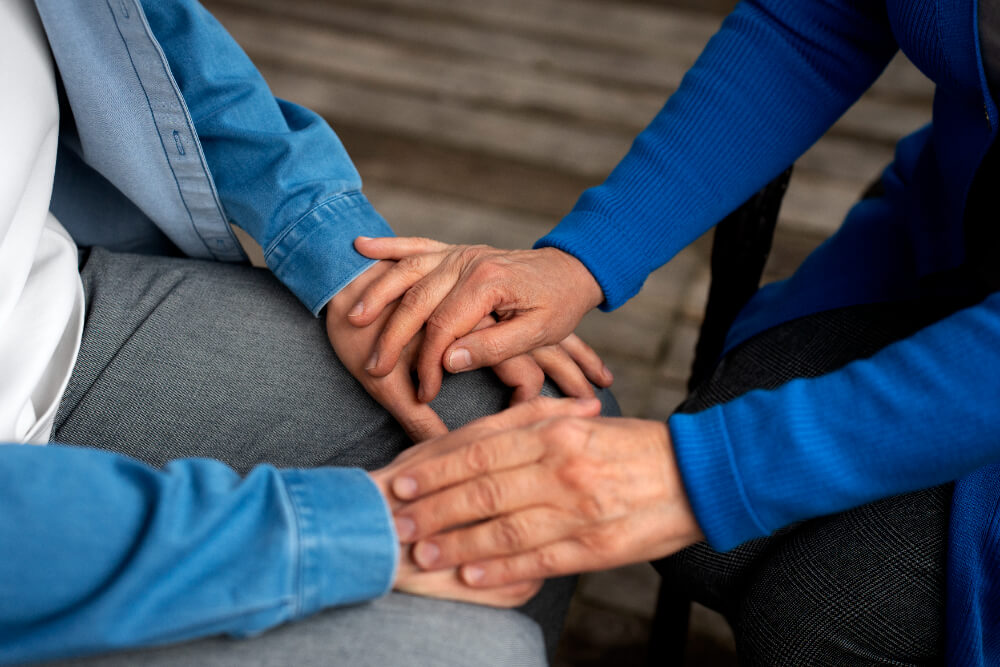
(711, 479)
(347, 546)
(315, 257)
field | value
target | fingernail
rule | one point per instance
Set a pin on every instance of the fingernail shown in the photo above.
(472, 574)
(607, 374)
(405, 528)
(587, 402)
(364, 238)
(372, 361)
(358, 309)
(426, 553)
(460, 359)
(404, 487)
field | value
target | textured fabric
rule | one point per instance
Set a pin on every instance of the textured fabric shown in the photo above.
(973, 575)
(774, 78)
(41, 300)
(183, 358)
(863, 587)
(395, 630)
(170, 112)
(130, 123)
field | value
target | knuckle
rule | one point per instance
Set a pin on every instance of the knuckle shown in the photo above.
(579, 475)
(470, 253)
(487, 271)
(603, 541)
(537, 338)
(546, 562)
(486, 496)
(592, 507)
(563, 432)
(600, 503)
(496, 347)
(440, 322)
(509, 534)
(416, 299)
(410, 265)
(478, 457)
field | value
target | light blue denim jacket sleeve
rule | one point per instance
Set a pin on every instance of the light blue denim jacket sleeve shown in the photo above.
(281, 172)
(100, 552)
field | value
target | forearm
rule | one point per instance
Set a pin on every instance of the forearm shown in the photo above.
(768, 85)
(281, 172)
(102, 552)
(914, 415)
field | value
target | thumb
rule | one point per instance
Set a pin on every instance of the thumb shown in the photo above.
(494, 345)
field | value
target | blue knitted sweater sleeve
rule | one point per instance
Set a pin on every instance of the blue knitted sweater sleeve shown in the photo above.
(918, 413)
(777, 75)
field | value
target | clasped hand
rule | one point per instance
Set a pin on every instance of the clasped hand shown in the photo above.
(540, 490)
(570, 362)
(445, 291)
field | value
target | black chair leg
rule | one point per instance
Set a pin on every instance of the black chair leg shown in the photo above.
(739, 252)
(668, 640)
(740, 249)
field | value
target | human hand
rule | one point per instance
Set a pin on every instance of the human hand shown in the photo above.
(519, 416)
(565, 363)
(394, 391)
(446, 583)
(561, 495)
(539, 296)
(571, 364)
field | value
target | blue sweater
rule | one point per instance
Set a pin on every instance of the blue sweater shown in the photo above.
(919, 413)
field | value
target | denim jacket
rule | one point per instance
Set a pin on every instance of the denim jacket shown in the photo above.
(173, 130)
(169, 134)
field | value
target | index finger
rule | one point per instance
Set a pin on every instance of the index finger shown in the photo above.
(397, 395)
(409, 316)
(479, 453)
(396, 247)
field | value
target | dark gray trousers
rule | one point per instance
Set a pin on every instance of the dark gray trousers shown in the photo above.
(183, 358)
(864, 587)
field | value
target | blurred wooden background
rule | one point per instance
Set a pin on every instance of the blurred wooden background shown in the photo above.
(483, 120)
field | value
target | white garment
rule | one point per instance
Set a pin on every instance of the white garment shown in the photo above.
(41, 296)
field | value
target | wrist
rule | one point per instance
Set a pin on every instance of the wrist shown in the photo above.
(579, 276)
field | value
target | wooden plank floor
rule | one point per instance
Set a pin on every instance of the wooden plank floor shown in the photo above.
(483, 120)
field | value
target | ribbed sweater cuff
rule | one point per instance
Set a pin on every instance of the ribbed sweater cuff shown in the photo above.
(591, 238)
(712, 480)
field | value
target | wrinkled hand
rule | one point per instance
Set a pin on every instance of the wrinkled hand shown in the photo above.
(568, 364)
(558, 495)
(539, 297)
(446, 583)
(394, 391)
(571, 364)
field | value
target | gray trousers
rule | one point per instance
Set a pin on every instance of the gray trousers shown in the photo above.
(863, 587)
(183, 358)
